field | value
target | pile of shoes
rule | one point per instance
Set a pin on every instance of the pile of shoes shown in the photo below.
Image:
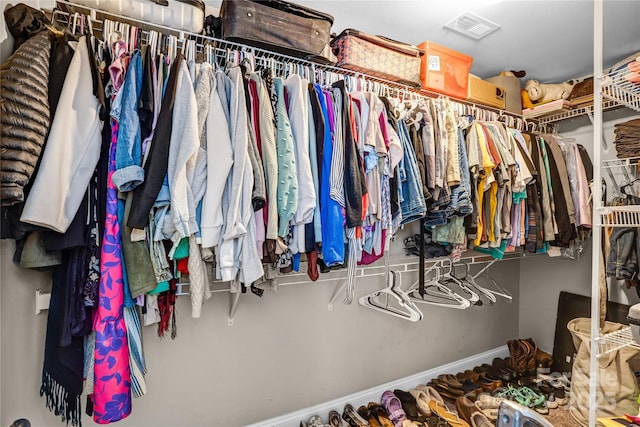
(431, 249)
(469, 398)
(398, 408)
(476, 394)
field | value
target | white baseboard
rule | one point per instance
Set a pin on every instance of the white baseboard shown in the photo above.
(373, 394)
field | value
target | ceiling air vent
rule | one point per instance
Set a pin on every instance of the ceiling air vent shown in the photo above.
(472, 25)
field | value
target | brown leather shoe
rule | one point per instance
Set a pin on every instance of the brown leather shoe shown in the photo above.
(467, 375)
(489, 384)
(465, 408)
(450, 380)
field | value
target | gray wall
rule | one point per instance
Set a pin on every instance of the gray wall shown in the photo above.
(285, 351)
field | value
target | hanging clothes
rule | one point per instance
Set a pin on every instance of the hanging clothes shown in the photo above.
(69, 161)
(332, 215)
(112, 383)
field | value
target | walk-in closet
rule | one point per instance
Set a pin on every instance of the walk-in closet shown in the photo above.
(319, 213)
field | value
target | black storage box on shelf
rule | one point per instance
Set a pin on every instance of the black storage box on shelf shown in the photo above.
(378, 56)
(279, 26)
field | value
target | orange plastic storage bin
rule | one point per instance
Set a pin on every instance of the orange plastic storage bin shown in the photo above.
(445, 70)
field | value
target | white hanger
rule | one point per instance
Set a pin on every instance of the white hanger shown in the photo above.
(437, 293)
(499, 292)
(490, 297)
(405, 310)
(73, 23)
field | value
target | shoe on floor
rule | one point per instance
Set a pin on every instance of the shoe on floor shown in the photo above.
(465, 407)
(478, 419)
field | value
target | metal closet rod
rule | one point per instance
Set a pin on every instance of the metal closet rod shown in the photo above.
(222, 48)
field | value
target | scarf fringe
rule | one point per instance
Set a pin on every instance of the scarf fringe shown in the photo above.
(60, 401)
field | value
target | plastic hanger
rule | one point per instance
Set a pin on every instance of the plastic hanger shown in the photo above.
(448, 279)
(489, 297)
(437, 293)
(405, 308)
(498, 291)
(379, 300)
(73, 22)
(466, 287)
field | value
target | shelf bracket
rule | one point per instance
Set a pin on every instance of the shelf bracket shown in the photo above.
(42, 301)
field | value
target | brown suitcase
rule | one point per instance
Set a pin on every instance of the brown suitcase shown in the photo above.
(278, 26)
(378, 56)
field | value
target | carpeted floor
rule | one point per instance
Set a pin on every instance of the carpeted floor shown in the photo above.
(561, 417)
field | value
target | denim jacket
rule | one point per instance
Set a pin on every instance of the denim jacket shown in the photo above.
(412, 203)
(129, 173)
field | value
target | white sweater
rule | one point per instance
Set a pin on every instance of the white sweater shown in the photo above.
(73, 150)
(299, 118)
(183, 150)
(238, 252)
(220, 154)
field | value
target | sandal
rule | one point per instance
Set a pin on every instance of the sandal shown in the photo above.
(422, 401)
(335, 420)
(369, 415)
(381, 414)
(409, 404)
(446, 390)
(432, 394)
(314, 421)
(450, 417)
(394, 407)
(352, 418)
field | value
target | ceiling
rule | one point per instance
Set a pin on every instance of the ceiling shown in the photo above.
(551, 40)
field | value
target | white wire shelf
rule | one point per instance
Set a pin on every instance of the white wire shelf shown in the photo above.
(619, 216)
(400, 263)
(65, 9)
(618, 90)
(583, 110)
(621, 163)
(615, 341)
(623, 85)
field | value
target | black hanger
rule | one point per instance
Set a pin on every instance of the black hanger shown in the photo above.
(623, 188)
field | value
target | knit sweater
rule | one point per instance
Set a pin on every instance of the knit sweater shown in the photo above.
(203, 95)
(183, 150)
(269, 157)
(287, 174)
